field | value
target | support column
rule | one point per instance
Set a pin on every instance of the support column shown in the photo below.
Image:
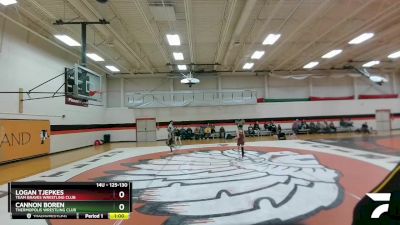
(2, 32)
(394, 80)
(219, 87)
(355, 88)
(171, 88)
(122, 84)
(266, 86)
(83, 51)
(310, 87)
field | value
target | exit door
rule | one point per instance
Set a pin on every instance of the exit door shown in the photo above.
(383, 120)
(146, 129)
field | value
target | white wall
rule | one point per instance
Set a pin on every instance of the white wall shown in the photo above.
(26, 61)
(333, 87)
(273, 110)
(270, 88)
(287, 88)
(263, 110)
(242, 82)
(365, 87)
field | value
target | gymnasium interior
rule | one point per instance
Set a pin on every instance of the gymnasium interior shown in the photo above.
(215, 112)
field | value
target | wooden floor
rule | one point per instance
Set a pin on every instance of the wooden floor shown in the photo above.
(18, 170)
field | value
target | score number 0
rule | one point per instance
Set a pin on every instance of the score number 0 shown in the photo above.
(121, 206)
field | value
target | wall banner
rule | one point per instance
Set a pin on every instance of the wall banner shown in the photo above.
(23, 138)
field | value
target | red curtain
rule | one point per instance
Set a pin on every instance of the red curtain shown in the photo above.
(260, 100)
(377, 96)
(313, 98)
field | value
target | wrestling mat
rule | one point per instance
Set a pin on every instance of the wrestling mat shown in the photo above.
(290, 182)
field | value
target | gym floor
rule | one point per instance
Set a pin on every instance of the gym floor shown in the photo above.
(17, 170)
(308, 179)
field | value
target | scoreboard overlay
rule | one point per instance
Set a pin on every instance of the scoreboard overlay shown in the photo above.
(70, 200)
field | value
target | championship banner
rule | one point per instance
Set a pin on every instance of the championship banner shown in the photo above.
(23, 138)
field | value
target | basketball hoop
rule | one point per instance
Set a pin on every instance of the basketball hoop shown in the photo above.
(93, 93)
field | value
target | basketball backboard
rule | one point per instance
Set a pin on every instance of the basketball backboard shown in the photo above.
(82, 83)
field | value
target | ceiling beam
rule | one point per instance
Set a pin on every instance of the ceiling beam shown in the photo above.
(88, 12)
(51, 29)
(52, 42)
(378, 44)
(154, 34)
(224, 34)
(311, 43)
(260, 34)
(293, 34)
(189, 30)
(388, 12)
(236, 36)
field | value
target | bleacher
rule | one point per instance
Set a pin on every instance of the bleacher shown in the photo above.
(229, 134)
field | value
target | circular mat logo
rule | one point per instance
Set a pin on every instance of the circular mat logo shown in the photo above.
(219, 188)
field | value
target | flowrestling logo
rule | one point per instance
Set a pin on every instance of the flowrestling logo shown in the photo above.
(217, 188)
(381, 209)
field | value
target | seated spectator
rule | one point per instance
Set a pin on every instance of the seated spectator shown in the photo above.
(296, 126)
(221, 132)
(250, 131)
(332, 127)
(326, 128)
(313, 128)
(269, 126)
(257, 128)
(345, 123)
(349, 122)
(265, 125)
(212, 128)
(202, 133)
(183, 134)
(196, 133)
(342, 123)
(281, 136)
(303, 125)
(319, 127)
(189, 133)
(273, 127)
(364, 128)
(207, 132)
(178, 138)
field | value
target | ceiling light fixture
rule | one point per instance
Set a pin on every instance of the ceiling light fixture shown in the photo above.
(182, 67)
(371, 63)
(394, 55)
(363, 37)
(310, 65)
(332, 53)
(95, 57)
(257, 54)
(7, 2)
(67, 40)
(378, 79)
(248, 66)
(271, 39)
(173, 39)
(112, 68)
(178, 55)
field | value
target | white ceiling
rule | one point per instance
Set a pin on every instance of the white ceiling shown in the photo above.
(224, 32)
